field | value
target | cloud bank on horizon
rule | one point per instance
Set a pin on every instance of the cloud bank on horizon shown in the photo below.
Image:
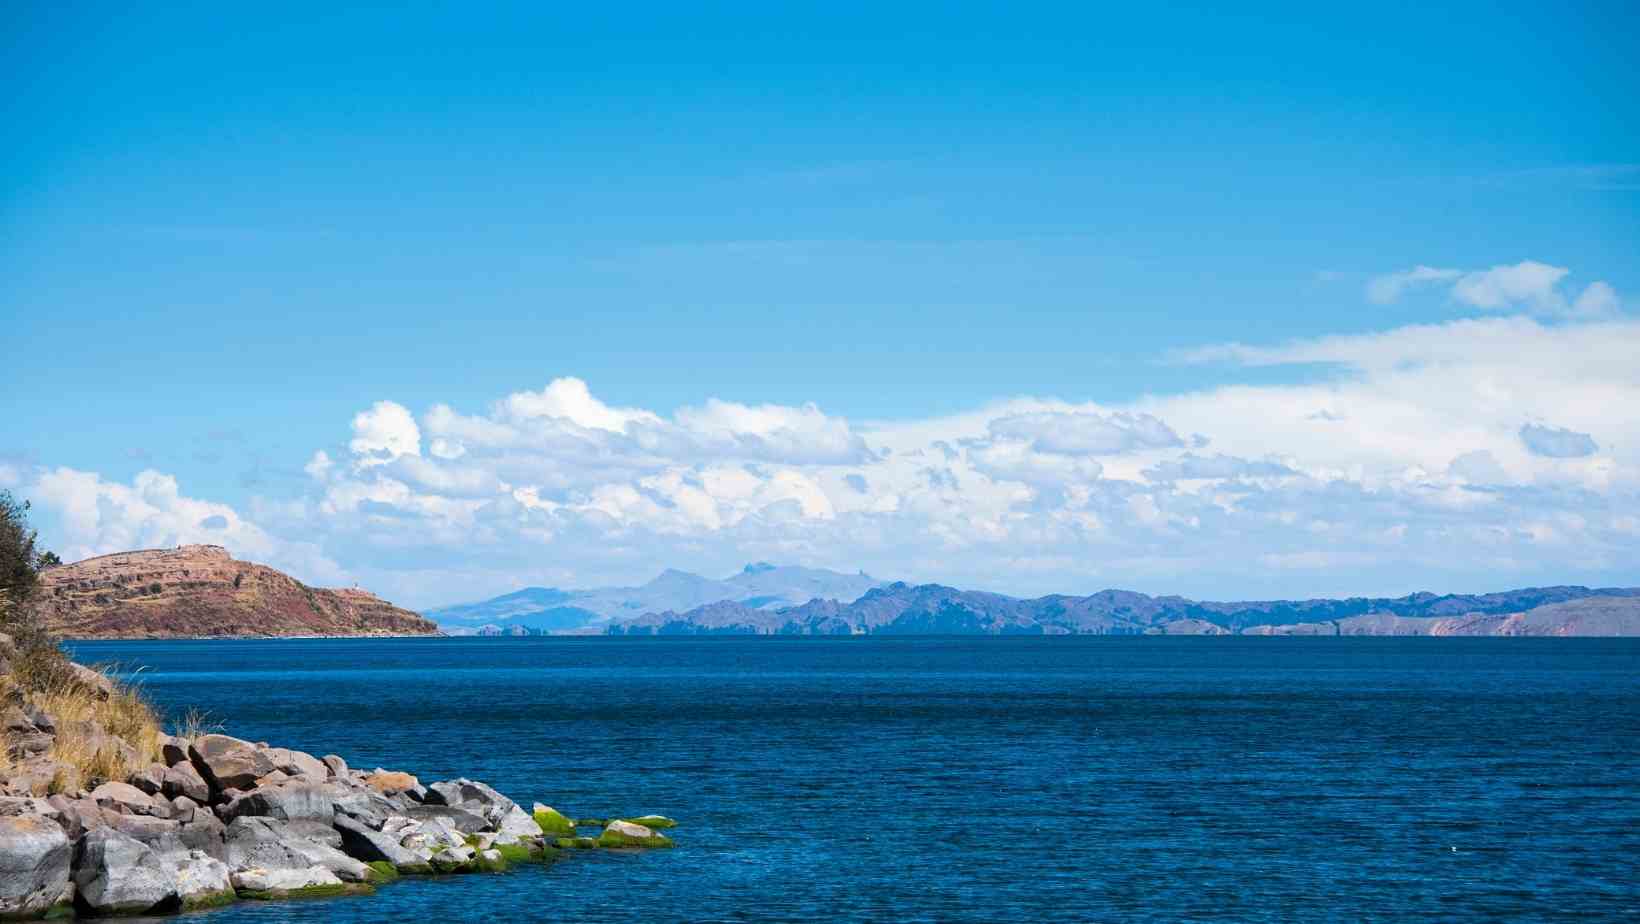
(1473, 453)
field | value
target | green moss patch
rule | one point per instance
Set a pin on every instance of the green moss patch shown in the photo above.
(208, 900)
(575, 843)
(381, 870)
(617, 839)
(591, 822)
(313, 891)
(515, 853)
(653, 821)
(552, 821)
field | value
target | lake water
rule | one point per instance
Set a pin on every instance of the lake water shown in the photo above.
(984, 779)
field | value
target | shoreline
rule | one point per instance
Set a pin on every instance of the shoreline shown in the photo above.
(103, 814)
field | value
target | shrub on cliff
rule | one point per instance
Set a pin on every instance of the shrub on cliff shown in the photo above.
(38, 661)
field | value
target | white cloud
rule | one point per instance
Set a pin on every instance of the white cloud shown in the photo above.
(570, 399)
(383, 433)
(1529, 285)
(1598, 298)
(1085, 433)
(87, 515)
(1528, 282)
(1389, 287)
(1403, 453)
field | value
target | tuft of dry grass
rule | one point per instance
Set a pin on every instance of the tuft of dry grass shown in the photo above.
(194, 723)
(123, 731)
(99, 737)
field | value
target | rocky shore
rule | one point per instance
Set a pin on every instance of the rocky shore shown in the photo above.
(215, 819)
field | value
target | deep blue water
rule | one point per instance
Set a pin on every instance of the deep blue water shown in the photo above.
(985, 779)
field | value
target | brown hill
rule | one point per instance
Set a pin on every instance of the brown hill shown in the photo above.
(200, 590)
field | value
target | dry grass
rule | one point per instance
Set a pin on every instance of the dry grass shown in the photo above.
(195, 723)
(99, 737)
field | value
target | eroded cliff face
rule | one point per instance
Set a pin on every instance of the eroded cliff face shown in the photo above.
(201, 590)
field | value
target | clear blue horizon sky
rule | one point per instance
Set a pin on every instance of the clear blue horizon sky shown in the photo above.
(223, 235)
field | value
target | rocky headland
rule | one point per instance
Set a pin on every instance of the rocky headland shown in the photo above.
(102, 814)
(200, 591)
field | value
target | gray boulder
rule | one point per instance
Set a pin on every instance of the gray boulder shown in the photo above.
(161, 835)
(148, 779)
(516, 825)
(287, 801)
(116, 874)
(298, 764)
(335, 766)
(471, 795)
(127, 799)
(201, 880)
(228, 763)
(460, 819)
(184, 780)
(271, 844)
(369, 845)
(205, 832)
(275, 882)
(35, 856)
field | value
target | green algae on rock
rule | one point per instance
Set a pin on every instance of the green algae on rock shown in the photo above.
(552, 821)
(653, 821)
(626, 834)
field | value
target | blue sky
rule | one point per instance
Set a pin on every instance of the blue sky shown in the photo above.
(223, 237)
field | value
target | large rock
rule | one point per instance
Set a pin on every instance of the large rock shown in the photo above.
(201, 880)
(173, 750)
(183, 780)
(274, 883)
(369, 845)
(392, 782)
(127, 799)
(516, 825)
(116, 874)
(336, 766)
(161, 835)
(460, 819)
(228, 763)
(471, 795)
(620, 833)
(148, 779)
(34, 865)
(298, 764)
(267, 843)
(551, 821)
(206, 833)
(367, 806)
(96, 682)
(287, 801)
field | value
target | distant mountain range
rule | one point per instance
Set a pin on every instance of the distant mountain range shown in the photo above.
(932, 608)
(756, 587)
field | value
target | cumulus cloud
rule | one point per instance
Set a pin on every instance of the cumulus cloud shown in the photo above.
(1082, 433)
(1192, 466)
(1528, 285)
(1399, 452)
(570, 399)
(1557, 442)
(384, 432)
(85, 515)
